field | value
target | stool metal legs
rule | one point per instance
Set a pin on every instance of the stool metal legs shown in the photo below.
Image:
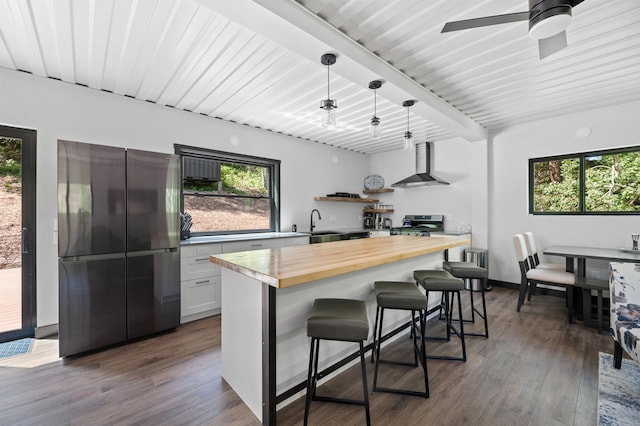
(446, 307)
(312, 380)
(419, 353)
(475, 310)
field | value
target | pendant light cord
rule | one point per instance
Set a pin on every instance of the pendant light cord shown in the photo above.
(375, 101)
(328, 94)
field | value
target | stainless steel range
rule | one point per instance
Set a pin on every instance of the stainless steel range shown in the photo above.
(420, 225)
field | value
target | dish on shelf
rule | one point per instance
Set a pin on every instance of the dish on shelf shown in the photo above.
(374, 182)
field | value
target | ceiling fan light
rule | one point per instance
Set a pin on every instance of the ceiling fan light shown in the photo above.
(550, 26)
(374, 128)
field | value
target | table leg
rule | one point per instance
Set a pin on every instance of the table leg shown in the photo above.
(599, 311)
(568, 261)
(582, 267)
(586, 307)
(578, 300)
(268, 354)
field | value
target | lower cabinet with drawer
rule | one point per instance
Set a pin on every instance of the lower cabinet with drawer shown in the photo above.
(233, 246)
(200, 282)
(200, 279)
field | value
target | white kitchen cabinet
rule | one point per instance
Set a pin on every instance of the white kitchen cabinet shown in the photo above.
(376, 234)
(199, 282)
(295, 241)
(247, 245)
(200, 279)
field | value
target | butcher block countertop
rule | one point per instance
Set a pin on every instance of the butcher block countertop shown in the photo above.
(289, 266)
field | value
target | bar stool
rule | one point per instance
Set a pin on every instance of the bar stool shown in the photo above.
(404, 296)
(468, 270)
(336, 319)
(450, 286)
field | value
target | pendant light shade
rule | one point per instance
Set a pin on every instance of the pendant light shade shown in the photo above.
(328, 106)
(408, 136)
(374, 126)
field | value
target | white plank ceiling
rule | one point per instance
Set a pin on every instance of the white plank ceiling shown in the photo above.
(258, 62)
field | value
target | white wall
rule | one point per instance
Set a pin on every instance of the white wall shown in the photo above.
(63, 111)
(450, 161)
(488, 179)
(509, 152)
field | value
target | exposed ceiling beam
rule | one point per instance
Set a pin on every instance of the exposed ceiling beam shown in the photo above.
(291, 25)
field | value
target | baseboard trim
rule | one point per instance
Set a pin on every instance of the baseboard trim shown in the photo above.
(46, 331)
(199, 315)
(539, 289)
(505, 284)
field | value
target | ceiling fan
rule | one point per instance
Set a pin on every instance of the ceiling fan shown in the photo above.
(548, 20)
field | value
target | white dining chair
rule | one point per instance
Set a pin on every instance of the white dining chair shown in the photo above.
(530, 277)
(534, 260)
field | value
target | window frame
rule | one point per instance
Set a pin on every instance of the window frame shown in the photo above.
(222, 156)
(581, 156)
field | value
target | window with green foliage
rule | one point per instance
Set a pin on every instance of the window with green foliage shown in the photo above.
(225, 192)
(603, 182)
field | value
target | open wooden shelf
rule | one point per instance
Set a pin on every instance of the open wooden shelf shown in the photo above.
(378, 210)
(377, 191)
(347, 199)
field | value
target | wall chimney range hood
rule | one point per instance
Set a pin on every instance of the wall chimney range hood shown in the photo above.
(423, 176)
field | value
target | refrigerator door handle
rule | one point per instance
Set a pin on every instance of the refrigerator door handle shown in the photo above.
(25, 247)
(152, 251)
(92, 257)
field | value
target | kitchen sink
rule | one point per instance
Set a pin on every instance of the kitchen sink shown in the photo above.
(325, 232)
(324, 238)
(328, 236)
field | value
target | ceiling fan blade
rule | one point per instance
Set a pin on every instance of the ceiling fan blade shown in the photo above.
(550, 45)
(486, 21)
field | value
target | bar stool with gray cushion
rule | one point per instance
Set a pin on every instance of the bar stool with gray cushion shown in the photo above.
(404, 296)
(450, 286)
(468, 270)
(336, 319)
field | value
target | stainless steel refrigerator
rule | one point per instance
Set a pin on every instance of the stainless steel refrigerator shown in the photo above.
(118, 238)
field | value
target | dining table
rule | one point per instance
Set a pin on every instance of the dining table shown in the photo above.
(578, 255)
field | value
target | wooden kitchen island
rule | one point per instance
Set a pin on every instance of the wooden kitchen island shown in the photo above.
(267, 295)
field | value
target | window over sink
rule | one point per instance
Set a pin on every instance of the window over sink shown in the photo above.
(229, 193)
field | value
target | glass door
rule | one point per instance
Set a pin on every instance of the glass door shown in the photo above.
(17, 233)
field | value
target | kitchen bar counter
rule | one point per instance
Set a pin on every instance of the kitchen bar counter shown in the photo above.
(289, 266)
(267, 295)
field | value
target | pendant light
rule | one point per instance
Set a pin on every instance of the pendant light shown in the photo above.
(408, 136)
(328, 106)
(374, 126)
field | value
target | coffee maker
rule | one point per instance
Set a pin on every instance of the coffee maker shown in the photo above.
(368, 221)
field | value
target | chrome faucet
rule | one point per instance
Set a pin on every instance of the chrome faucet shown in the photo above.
(319, 218)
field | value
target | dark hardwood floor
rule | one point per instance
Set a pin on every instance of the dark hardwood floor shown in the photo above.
(535, 369)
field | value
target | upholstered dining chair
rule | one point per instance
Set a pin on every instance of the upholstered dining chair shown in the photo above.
(624, 288)
(532, 276)
(534, 260)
